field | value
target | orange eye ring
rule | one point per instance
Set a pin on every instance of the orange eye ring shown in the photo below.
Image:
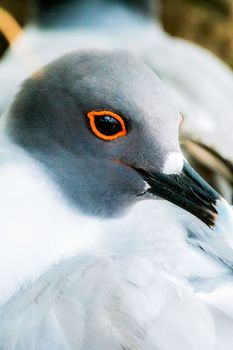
(95, 114)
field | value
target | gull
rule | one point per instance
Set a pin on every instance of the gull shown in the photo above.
(105, 227)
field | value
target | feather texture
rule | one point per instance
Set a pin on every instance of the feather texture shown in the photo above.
(99, 284)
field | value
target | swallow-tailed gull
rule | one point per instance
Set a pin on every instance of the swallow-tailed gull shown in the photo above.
(92, 257)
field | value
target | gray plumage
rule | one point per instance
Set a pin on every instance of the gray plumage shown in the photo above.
(79, 161)
(72, 279)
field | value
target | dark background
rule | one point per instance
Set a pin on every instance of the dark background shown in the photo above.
(207, 22)
(20, 9)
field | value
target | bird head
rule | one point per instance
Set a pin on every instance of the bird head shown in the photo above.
(106, 131)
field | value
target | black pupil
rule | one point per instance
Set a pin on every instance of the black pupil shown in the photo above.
(107, 125)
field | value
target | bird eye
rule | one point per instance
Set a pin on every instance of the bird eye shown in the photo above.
(107, 125)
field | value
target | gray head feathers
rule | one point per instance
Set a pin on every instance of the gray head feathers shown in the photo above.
(49, 120)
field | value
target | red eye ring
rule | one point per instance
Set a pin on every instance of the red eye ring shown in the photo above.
(92, 117)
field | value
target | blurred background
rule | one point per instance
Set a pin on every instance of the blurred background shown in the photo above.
(206, 22)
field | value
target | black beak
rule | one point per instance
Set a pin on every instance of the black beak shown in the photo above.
(187, 190)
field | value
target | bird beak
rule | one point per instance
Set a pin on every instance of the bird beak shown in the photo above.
(187, 190)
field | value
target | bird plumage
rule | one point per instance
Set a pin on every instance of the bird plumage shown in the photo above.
(154, 278)
(72, 280)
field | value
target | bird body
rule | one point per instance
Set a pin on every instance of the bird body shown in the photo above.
(74, 282)
(71, 281)
(118, 301)
(91, 259)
